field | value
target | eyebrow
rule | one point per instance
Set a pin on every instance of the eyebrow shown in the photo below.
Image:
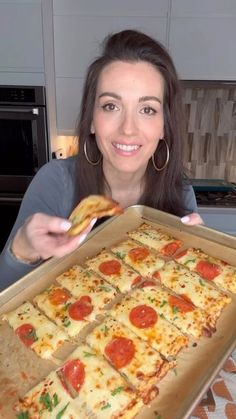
(141, 99)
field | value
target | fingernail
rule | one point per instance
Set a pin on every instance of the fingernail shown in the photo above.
(94, 220)
(65, 225)
(82, 238)
(185, 219)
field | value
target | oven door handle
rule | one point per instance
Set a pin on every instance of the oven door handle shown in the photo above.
(34, 111)
(10, 199)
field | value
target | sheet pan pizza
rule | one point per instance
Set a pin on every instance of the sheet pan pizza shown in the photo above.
(145, 300)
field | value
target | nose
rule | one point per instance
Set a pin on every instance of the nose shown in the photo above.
(129, 123)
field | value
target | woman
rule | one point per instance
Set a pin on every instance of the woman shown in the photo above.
(130, 131)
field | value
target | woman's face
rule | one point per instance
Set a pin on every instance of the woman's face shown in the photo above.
(128, 116)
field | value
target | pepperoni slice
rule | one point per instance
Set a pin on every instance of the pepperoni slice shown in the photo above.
(136, 281)
(170, 248)
(26, 333)
(58, 296)
(74, 373)
(180, 254)
(180, 304)
(187, 298)
(80, 308)
(120, 351)
(138, 253)
(207, 269)
(110, 267)
(143, 316)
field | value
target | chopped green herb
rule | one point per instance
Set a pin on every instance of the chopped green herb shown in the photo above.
(66, 322)
(88, 274)
(55, 399)
(61, 413)
(175, 310)
(106, 406)
(105, 330)
(45, 399)
(163, 303)
(23, 415)
(201, 282)
(175, 318)
(66, 306)
(32, 335)
(175, 371)
(151, 299)
(189, 261)
(88, 354)
(162, 316)
(120, 255)
(104, 288)
(117, 390)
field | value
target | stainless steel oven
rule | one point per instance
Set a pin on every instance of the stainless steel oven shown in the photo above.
(23, 146)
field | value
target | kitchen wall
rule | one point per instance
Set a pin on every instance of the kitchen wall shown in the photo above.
(51, 42)
(210, 142)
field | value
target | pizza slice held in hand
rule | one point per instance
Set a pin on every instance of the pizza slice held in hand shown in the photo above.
(94, 206)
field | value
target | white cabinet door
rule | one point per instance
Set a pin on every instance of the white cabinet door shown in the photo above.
(201, 39)
(21, 42)
(79, 28)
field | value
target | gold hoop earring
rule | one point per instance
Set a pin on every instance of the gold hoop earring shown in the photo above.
(93, 163)
(159, 169)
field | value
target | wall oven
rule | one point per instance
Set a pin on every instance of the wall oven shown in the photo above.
(23, 147)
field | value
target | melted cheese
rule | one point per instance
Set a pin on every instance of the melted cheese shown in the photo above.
(226, 280)
(60, 314)
(104, 391)
(145, 368)
(152, 237)
(204, 295)
(47, 399)
(193, 322)
(83, 282)
(49, 336)
(123, 280)
(146, 267)
(163, 336)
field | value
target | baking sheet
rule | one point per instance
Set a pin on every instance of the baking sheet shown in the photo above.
(182, 389)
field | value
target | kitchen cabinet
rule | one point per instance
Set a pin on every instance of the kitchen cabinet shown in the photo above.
(199, 35)
(21, 43)
(222, 219)
(201, 39)
(79, 28)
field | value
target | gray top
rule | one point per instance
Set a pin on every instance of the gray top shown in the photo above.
(51, 192)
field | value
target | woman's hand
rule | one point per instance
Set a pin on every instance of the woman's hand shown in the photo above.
(192, 219)
(43, 236)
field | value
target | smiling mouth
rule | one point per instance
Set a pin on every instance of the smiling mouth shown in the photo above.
(126, 147)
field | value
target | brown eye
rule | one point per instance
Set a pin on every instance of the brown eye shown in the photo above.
(147, 110)
(109, 107)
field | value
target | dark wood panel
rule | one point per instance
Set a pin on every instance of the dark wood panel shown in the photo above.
(210, 140)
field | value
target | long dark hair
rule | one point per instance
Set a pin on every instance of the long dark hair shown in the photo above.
(163, 190)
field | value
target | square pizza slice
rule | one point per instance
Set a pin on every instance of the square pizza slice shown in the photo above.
(48, 399)
(192, 288)
(99, 387)
(146, 323)
(142, 259)
(114, 271)
(208, 267)
(156, 239)
(35, 330)
(183, 314)
(81, 282)
(67, 312)
(130, 355)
